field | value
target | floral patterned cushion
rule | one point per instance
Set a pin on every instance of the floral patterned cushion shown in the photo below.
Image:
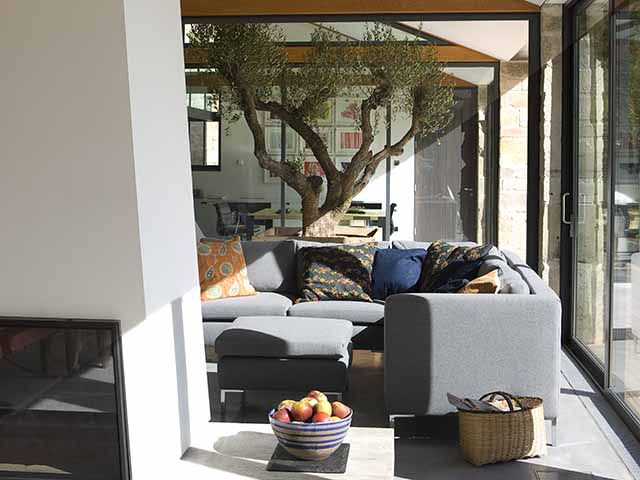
(336, 273)
(223, 270)
(442, 254)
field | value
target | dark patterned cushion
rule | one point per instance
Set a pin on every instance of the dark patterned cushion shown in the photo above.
(442, 254)
(336, 273)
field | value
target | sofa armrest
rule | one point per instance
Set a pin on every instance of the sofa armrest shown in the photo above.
(470, 345)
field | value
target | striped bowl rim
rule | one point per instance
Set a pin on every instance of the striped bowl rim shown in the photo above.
(317, 427)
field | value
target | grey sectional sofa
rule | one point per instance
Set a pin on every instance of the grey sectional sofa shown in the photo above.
(470, 345)
(433, 343)
(273, 271)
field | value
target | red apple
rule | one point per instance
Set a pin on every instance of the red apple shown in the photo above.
(286, 404)
(282, 415)
(301, 411)
(310, 400)
(323, 406)
(340, 410)
(320, 418)
(318, 395)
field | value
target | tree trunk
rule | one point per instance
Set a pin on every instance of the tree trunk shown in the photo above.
(314, 222)
(323, 226)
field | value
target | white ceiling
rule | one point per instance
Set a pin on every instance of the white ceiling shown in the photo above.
(475, 75)
(501, 39)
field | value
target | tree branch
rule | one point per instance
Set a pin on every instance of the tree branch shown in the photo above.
(307, 133)
(389, 151)
(292, 177)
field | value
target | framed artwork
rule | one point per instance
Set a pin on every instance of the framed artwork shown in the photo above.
(347, 110)
(348, 140)
(273, 137)
(312, 167)
(328, 137)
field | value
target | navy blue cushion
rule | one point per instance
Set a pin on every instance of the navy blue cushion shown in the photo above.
(456, 275)
(396, 271)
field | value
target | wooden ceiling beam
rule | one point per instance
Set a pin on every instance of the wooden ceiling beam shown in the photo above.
(214, 81)
(252, 8)
(297, 54)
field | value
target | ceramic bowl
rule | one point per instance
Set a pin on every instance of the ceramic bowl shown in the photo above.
(310, 441)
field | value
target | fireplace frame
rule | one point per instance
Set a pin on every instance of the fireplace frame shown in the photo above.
(118, 371)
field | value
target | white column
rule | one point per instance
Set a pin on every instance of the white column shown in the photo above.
(95, 198)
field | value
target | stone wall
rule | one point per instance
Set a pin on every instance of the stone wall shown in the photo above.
(551, 144)
(514, 98)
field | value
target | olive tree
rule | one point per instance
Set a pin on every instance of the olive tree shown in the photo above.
(401, 74)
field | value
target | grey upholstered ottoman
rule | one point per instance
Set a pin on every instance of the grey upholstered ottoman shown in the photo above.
(284, 353)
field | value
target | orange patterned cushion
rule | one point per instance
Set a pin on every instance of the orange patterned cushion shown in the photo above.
(489, 283)
(223, 271)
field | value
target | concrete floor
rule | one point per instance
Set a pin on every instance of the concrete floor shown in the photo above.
(593, 442)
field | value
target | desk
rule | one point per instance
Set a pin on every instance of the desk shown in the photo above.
(268, 215)
(371, 216)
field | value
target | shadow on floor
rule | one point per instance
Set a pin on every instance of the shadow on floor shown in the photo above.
(236, 465)
(426, 447)
(365, 396)
(430, 444)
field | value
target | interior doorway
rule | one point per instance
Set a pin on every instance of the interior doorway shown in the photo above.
(446, 175)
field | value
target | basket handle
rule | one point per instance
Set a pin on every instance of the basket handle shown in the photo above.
(510, 399)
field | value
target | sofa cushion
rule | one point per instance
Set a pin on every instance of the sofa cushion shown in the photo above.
(444, 259)
(455, 276)
(396, 271)
(361, 313)
(222, 269)
(337, 273)
(264, 303)
(510, 280)
(271, 265)
(534, 283)
(489, 283)
(285, 337)
(300, 244)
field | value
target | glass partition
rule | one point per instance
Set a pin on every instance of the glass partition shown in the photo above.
(443, 186)
(625, 343)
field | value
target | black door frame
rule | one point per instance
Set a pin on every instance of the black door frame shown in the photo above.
(533, 104)
(599, 375)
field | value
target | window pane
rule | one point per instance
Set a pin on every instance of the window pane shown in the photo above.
(213, 144)
(196, 139)
(198, 101)
(592, 224)
(625, 351)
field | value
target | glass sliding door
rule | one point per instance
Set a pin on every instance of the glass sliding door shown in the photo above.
(591, 191)
(624, 377)
(605, 225)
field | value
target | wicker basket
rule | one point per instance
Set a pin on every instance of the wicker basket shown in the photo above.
(490, 437)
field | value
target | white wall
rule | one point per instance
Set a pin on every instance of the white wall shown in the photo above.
(95, 197)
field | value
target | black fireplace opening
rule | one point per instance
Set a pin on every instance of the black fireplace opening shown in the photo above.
(62, 409)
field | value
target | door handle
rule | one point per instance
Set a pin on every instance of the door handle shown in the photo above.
(564, 209)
